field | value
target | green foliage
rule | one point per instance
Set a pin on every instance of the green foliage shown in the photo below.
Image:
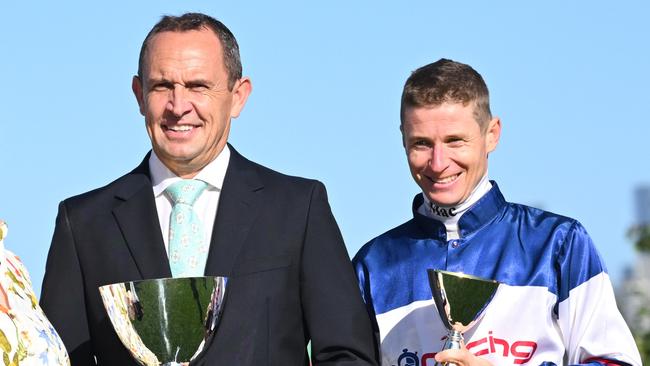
(643, 343)
(640, 234)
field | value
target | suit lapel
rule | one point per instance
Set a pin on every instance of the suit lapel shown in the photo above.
(137, 217)
(238, 207)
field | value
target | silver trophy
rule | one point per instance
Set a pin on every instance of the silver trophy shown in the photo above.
(165, 321)
(461, 300)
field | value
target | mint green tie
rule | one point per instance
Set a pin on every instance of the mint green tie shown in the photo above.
(188, 250)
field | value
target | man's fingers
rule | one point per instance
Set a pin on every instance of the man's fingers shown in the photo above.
(461, 357)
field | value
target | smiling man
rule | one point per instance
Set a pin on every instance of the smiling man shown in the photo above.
(290, 279)
(555, 305)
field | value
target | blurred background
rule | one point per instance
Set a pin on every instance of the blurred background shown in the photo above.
(568, 79)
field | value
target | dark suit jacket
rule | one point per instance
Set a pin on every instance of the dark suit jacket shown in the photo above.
(275, 237)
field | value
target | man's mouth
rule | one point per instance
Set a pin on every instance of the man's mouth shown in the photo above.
(446, 180)
(178, 128)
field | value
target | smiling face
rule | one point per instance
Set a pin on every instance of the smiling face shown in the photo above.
(184, 98)
(446, 149)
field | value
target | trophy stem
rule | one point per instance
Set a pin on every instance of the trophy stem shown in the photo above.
(454, 339)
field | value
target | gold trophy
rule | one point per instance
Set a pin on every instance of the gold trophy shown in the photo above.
(461, 300)
(166, 321)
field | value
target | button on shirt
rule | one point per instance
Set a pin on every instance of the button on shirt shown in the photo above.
(207, 203)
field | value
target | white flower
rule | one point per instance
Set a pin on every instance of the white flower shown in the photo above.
(175, 257)
(193, 262)
(185, 241)
(180, 218)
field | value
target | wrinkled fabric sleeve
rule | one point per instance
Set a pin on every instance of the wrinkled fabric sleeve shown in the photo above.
(592, 327)
(364, 286)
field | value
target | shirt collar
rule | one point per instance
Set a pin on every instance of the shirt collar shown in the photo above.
(478, 215)
(449, 215)
(213, 173)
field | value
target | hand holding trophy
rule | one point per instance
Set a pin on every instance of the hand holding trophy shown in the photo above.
(461, 300)
(168, 321)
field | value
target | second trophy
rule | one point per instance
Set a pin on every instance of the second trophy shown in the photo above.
(460, 300)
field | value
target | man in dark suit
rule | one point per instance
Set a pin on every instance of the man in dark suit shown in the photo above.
(274, 236)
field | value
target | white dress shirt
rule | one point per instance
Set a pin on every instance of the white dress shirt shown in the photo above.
(207, 203)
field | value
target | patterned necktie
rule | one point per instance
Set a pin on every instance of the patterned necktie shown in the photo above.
(187, 248)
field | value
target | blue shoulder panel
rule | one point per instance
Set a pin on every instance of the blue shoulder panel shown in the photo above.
(514, 244)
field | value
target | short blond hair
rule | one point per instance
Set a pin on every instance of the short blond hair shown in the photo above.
(447, 81)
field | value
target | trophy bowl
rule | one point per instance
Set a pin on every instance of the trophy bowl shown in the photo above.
(461, 300)
(166, 321)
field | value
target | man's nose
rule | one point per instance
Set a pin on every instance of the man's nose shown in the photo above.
(439, 159)
(179, 103)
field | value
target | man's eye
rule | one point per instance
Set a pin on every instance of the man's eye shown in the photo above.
(198, 87)
(162, 86)
(421, 144)
(455, 141)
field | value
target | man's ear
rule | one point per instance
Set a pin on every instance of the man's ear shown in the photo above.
(401, 130)
(242, 89)
(493, 134)
(136, 86)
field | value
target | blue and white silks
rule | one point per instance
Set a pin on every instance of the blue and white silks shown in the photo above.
(556, 305)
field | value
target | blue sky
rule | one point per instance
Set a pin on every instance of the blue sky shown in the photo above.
(568, 79)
